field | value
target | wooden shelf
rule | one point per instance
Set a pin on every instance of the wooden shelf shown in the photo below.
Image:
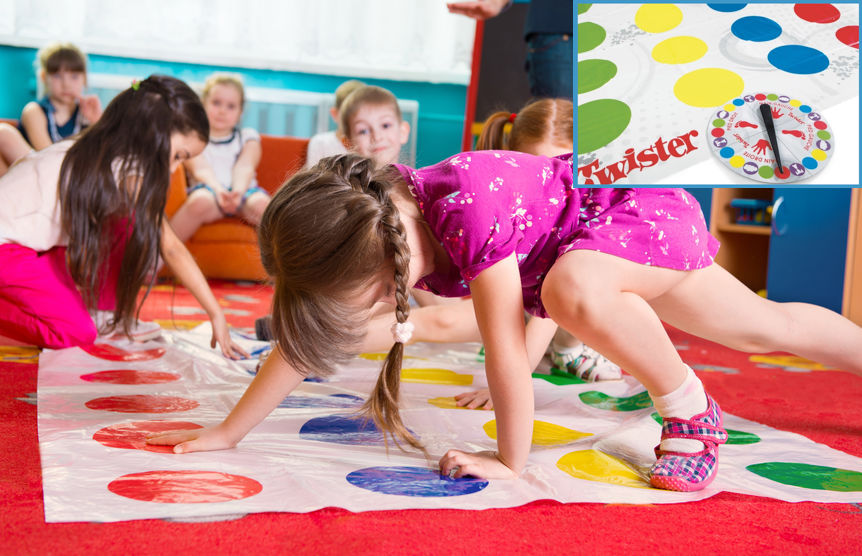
(745, 229)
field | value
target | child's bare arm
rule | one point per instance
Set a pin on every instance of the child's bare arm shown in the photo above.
(201, 171)
(178, 259)
(275, 380)
(245, 167)
(499, 312)
(35, 123)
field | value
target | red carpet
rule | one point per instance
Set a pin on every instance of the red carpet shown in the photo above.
(822, 405)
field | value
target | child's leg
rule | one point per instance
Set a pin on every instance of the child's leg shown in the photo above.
(39, 303)
(713, 304)
(604, 301)
(199, 208)
(253, 207)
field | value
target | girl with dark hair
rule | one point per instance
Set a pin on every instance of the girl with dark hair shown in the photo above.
(515, 232)
(82, 223)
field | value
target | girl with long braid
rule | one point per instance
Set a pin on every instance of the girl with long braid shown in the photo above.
(515, 232)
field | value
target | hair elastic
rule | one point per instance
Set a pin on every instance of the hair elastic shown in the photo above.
(136, 84)
(402, 331)
(512, 117)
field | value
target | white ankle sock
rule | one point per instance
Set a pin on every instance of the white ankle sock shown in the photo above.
(685, 402)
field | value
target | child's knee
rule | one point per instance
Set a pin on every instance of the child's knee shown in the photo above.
(202, 206)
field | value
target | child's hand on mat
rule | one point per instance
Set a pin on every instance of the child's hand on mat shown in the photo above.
(197, 440)
(480, 399)
(221, 336)
(482, 465)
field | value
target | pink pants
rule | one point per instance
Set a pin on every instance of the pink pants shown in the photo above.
(39, 302)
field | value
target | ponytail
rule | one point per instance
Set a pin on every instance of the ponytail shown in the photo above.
(494, 136)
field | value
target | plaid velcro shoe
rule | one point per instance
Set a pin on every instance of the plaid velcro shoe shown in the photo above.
(687, 472)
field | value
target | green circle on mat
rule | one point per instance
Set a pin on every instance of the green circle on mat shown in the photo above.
(592, 74)
(603, 401)
(718, 122)
(765, 172)
(824, 134)
(590, 36)
(582, 8)
(600, 122)
(558, 377)
(733, 436)
(772, 96)
(817, 477)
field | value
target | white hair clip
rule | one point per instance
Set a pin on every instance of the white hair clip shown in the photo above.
(402, 331)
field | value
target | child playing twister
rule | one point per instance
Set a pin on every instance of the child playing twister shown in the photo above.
(223, 176)
(64, 110)
(542, 128)
(514, 231)
(82, 223)
(331, 142)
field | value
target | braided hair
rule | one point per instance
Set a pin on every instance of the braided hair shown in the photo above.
(326, 235)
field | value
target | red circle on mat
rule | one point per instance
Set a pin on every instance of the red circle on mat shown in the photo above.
(817, 13)
(760, 96)
(113, 353)
(848, 35)
(126, 376)
(142, 403)
(184, 487)
(820, 124)
(133, 436)
(717, 132)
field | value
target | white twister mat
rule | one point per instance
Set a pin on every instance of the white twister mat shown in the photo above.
(592, 443)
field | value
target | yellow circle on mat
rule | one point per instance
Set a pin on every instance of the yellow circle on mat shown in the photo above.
(792, 361)
(658, 18)
(436, 376)
(737, 161)
(795, 102)
(593, 465)
(708, 87)
(449, 403)
(818, 155)
(544, 434)
(679, 50)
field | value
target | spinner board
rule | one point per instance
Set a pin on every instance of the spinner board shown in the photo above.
(738, 135)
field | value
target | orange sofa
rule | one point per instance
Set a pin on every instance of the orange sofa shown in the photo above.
(228, 247)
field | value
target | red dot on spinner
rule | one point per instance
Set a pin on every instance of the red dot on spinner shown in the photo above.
(784, 174)
(717, 131)
(760, 96)
(820, 124)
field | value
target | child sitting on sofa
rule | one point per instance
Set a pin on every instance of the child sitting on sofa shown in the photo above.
(222, 178)
(331, 142)
(372, 123)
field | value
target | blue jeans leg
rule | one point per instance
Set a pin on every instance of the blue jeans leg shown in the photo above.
(549, 65)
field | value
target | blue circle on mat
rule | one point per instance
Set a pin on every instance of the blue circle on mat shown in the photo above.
(755, 28)
(332, 401)
(809, 163)
(795, 58)
(413, 481)
(726, 152)
(805, 108)
(738, 102)
(726, 7)
(338, 429)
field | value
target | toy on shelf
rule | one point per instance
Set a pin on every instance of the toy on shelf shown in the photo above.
(752, 212)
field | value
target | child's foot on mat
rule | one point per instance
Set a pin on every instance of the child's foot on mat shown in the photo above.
(584, 362)
(686, 472)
